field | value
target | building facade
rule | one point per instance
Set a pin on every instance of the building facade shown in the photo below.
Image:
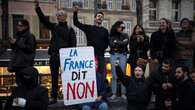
(113, 9)
(173, 10)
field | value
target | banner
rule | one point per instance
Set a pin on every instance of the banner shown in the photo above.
(78, 75)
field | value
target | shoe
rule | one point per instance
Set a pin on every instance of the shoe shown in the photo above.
(124, 97)
(113, 97)
(52, 101)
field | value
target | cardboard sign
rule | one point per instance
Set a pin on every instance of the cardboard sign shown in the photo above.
(78, 75)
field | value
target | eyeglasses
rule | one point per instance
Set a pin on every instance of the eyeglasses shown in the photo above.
(122, 26)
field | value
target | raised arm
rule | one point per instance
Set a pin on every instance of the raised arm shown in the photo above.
(42, 17)
(123, 78)
(76, 22)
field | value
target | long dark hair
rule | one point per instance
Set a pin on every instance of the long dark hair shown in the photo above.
(115, 26)
(143, 32)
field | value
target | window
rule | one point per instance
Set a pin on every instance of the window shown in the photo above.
(109, 4)
(81, 39)
(86, 4)
(127, 27)
(16, 18)
(119, 4)
(153, 10)
(105, 24)
(175, 10)
(133, 5)
(44, 31)
(67, 3)
(194, 10)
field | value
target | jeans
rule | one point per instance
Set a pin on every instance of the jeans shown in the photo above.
(100, 105)
(122, 63)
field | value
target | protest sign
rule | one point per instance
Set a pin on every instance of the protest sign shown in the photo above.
(78, 75)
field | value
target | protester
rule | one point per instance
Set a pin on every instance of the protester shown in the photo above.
(118, 52)
(138, 46)
(23, 46)
(162, 44)
(184, 50)
(29, 95)
(183, 88)
(97, 36)
(162, 84)
(138, 95)
(63, 36)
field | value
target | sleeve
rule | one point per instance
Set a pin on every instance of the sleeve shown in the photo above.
(152, 46)
(146, 45)
(133, 45)
(106, 40)
(124, 42)
(78, 24)
(123, 78)
(73, 42)
(40, 104)
(43, 19)
(28, 44)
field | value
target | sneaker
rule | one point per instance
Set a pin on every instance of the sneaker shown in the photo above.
(52, 101)
(124, 97)
(113, 97)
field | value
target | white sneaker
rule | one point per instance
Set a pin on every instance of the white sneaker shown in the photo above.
(124, 97)
(113, 97)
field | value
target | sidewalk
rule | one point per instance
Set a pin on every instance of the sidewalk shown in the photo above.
(116, 104)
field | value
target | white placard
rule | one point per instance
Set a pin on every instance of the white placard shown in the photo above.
(78, 75)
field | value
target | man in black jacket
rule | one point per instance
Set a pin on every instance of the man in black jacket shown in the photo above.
(63, 36)
(29, 95)
(23, 46)
(97, 36)
(183, 89)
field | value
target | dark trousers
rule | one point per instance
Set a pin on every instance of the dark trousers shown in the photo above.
(101, 65)
(54, 68)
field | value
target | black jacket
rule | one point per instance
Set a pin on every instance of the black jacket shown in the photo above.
(118, 43)
(138, 49)
(35, 95)
(96, 36)
(183, 95)
(24, 50)
(62, 35)
(137, 91)
(155, 81)
(163, 45)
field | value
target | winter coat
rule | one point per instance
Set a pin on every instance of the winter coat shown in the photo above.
(138, 49)
(62, 35)
(137, 91)
(163, 45)
(23, 50)
(183, 95)
(118, 43)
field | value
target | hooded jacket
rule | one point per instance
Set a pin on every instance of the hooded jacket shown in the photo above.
(35, 95)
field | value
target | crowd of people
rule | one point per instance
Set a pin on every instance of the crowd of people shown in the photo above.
(170, 55)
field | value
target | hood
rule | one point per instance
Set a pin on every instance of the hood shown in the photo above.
(29, 77)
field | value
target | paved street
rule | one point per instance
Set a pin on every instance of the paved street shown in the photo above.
(117, 104)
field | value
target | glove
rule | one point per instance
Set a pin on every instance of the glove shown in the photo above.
(19, 102)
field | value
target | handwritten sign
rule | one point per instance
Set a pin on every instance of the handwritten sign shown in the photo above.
(78, 75)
